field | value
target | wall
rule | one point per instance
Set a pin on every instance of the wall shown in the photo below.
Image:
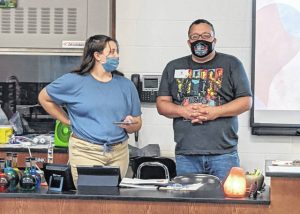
(151, 33)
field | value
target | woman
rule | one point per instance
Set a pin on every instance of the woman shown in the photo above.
(96, 99)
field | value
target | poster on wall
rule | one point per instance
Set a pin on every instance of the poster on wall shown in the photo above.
(276, 57)
(8, 3)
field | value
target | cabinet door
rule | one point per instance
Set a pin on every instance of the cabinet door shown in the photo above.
(54, 24)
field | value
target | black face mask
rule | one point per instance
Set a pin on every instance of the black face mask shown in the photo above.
(202, 48)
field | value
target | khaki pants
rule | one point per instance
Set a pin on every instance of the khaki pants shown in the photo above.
(87, 154)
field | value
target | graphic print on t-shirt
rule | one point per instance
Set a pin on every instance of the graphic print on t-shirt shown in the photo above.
(199, 86)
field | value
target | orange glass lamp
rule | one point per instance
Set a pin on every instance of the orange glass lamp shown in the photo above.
(235, 183)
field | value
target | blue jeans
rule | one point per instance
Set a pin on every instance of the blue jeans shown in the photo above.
(217, 165)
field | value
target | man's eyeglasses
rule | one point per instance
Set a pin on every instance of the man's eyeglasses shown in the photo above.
(197, 36)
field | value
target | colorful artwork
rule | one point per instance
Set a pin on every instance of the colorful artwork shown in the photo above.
(8, 3)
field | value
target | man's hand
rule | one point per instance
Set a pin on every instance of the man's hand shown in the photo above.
(212, 113)
(197, 113)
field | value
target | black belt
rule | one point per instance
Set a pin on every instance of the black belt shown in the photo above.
(114, 144)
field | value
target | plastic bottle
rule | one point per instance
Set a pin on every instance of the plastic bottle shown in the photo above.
(4, 181)
(27, 181)
(14, 160)
(12, 175)
(15, 164)
(34, 173)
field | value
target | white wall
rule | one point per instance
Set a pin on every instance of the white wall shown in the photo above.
(153, 32)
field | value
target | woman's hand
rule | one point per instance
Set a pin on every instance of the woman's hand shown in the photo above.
(132, 124)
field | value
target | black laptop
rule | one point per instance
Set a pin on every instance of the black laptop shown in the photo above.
(98, 179)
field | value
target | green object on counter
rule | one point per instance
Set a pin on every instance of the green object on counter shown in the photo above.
(62, 134)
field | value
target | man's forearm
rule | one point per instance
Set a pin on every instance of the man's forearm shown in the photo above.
(235, 107)
(168, 109)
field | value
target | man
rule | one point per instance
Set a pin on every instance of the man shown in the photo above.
(203, 93)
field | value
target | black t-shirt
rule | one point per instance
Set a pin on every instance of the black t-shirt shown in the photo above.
(216, 82)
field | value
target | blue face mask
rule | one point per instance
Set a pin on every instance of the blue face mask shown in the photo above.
(111, 64)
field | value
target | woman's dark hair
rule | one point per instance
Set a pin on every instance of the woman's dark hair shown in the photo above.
(201, 21)
(12, 78)
(93, 44)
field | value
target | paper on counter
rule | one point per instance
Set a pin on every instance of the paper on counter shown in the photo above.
(136, 181)
(151, 184)
(149, 187)
(188, 187)
(282, 163)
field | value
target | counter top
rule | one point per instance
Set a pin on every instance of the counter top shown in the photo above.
(282, 169)
(33, 148)
(134, 194)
